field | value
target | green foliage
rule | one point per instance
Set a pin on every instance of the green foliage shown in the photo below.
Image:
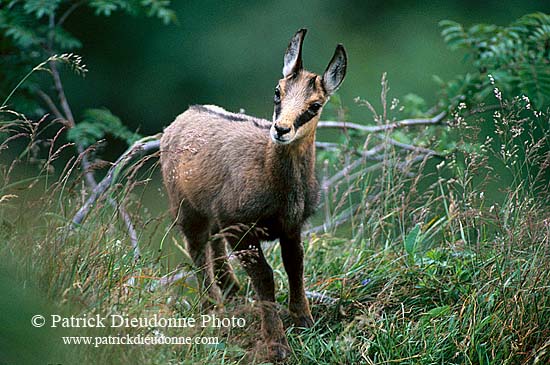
(514, 57)
(40, 8)
(33, 30)
(415, 106)
(151, 8)
(96, 124)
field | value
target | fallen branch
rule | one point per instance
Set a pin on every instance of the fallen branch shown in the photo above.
(366, 170)
(143, 145)
(327, 146)
(408, 147)
(386, 127)
(342, 218)
(129, 227)
(320, 297)
(341, 174)
(171, 279)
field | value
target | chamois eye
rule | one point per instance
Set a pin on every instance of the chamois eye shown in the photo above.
(277, 97)
(314, 108)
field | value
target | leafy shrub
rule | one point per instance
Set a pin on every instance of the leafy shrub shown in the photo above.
(516, 56)
(96, 124)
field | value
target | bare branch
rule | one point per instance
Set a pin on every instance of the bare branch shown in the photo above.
(61, 94)
(143, 145)
(386, 127)
(90, 180)
(328, 146)
(70, 121)
(170, 279)
(68, 117)
(341, 219)
(373, 152)
(342, 173)
(320, 297)
(69, 11)
(129, 227)
(366, 170)
(51, 104)
(369, 154)
(406, 146)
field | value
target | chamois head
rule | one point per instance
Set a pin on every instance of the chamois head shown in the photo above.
(300, 95)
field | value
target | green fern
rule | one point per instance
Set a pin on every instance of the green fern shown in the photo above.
(152, 8)
(96, 124)
(108, 7)
(516, 56)
(41, 8)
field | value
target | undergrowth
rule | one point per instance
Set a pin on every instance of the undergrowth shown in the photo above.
(441, 260)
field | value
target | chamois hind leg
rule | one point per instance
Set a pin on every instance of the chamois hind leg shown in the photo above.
(200, 252)
(292, 251)
(248, 250)
(223, 271)
(196, 231)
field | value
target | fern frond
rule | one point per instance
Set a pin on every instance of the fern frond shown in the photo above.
(96, 124)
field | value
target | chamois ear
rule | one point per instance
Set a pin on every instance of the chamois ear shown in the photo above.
(336, 70)
(293, 54)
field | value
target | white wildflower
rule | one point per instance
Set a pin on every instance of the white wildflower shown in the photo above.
(527, 101)
(394, 103)
(516, 131)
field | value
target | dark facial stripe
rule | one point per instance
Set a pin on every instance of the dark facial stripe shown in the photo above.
(277, 110)
(304, 118)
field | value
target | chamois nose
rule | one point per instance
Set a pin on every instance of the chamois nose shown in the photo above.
(281, 130)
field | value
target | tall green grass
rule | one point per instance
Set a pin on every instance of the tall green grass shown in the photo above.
(441, 261)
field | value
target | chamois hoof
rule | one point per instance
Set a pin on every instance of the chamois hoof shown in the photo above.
(305, 321)
(279, 351)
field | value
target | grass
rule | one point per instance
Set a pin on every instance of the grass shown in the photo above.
(446, 261)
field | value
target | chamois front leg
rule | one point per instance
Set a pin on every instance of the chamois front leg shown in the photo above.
(293, 258)
(249, 252)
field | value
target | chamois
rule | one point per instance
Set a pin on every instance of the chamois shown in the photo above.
(236, 179)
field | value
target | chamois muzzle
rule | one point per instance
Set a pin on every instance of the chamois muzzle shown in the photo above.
(280, 134)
